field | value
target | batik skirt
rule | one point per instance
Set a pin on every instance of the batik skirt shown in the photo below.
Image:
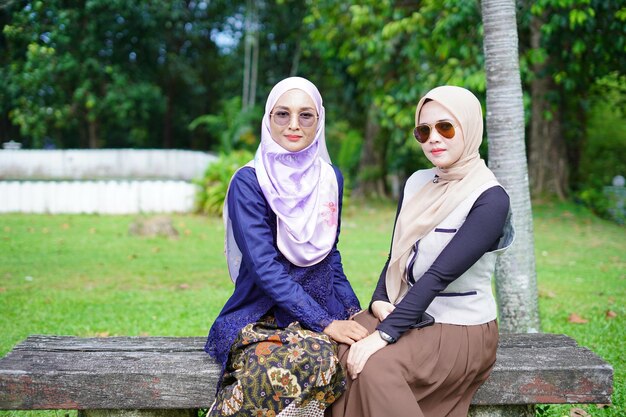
(275, 371)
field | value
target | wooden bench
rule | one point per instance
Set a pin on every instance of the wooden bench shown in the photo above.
(172, 376)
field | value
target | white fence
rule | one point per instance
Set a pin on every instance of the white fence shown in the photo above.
(104, 197)
(91, 164)
(99, 181)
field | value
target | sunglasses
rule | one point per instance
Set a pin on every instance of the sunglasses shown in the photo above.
(282, 118)
(444, 128)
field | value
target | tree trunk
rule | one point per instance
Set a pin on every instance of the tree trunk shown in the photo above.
(575, 145)
(516, 279)
(168, 116)
(246, 56)
(295, 62)
(83, 136)
(255, 65)
(547, 162)
(5, 125)
(370, 182)
(251, 55)
(92, 126)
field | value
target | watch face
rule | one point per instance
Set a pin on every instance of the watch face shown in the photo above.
(386, 337)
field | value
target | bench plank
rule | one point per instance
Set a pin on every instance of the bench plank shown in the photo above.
(547, 375)
(113, 344)
(55, 372)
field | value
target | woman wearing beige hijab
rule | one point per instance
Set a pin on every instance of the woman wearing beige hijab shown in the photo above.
(432, 318)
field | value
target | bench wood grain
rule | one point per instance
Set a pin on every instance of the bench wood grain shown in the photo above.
(174, 373)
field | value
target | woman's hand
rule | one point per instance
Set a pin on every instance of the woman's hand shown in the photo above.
(361, 351)
(381, 309)
(345, 331)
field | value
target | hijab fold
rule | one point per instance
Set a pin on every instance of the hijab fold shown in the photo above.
(428, 207)
(300, 187)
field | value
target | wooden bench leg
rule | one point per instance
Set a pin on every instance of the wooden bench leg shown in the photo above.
(502, 411)
(138, 413)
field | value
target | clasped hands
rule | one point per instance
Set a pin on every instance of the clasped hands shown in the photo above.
(362, 345)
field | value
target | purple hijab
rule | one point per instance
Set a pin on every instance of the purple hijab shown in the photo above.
(300, 187)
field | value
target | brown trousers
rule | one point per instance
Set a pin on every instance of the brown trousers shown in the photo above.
(429, 372)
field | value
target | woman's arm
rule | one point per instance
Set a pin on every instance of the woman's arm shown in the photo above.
(479, 234)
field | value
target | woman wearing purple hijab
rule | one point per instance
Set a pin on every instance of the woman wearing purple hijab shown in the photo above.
(276, 336)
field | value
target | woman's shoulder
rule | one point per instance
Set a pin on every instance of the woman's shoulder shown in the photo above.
(422, 175)
(244, 181)
(338, 173)
(497, 194)
(495, 197)
(246, 174)
(418, 179)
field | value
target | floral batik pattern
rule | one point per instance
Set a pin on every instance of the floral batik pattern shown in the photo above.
(286, 372)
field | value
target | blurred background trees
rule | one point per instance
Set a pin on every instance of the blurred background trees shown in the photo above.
(107, 73)
(170, 74)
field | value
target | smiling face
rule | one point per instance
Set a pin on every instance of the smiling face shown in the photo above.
(292, 136)
(440, 151)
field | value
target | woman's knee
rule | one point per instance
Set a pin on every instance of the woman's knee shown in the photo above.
(380, 369)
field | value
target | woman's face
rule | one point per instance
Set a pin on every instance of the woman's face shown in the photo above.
(293, 120)
(442, 152)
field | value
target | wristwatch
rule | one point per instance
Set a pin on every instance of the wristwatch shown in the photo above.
(386, 337)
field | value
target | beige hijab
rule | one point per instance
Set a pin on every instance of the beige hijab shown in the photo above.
(435, 201)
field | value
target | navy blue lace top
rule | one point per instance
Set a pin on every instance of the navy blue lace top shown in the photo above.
(267, 282)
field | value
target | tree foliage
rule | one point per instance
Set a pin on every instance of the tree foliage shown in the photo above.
(393, 53)
(107, 72)
(232, 125)
(111, 73)
(214, 183)
(578, 42)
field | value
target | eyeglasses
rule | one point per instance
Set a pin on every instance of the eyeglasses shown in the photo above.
(444, 127)
(305, 119)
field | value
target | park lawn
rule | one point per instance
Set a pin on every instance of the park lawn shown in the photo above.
(85, 275)
(581, 275)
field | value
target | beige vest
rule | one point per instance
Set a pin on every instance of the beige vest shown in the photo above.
(469, 299)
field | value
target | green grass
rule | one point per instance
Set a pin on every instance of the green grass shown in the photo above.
(581, 270)
(84, 275)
